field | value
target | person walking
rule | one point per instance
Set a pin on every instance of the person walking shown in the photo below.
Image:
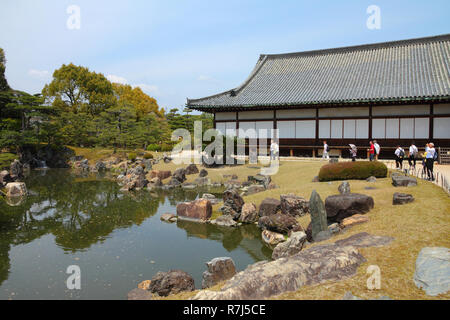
(413, 152)
(353, 151)
(399, 155)
(429, 162)
(274, 150)
(377, 149)
(371, 151)
(326, 149)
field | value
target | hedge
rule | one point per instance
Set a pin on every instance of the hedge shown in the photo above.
(356, 170)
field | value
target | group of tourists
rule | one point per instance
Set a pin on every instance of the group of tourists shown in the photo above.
(428, 158)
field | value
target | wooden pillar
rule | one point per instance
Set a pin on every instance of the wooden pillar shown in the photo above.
(214, 121)
(370, 122)
(317, 126)
(431, 124)
(237, 122)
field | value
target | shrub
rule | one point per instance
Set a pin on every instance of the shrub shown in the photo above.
(148, 156)
(166, 147)
(132, 156)
(153, 147)
(352, 170)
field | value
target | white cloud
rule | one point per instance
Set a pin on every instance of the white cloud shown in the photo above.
(38, 73)
(116, 79)
(148, 88)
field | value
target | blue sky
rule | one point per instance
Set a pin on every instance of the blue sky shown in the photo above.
(178, 49)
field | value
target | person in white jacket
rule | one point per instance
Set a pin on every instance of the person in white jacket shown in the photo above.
(274, 150)
(413, 152)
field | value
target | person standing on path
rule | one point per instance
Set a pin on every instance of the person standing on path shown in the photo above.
(377, 149)
(326, 149)
(274, 150)
(399, 155)
(430, 158)
(371, 151)
(413, 152)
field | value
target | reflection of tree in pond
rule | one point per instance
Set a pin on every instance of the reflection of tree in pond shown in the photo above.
(77, 211)
(247, 237)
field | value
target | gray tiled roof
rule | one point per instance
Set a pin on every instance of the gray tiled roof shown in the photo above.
(415, 69)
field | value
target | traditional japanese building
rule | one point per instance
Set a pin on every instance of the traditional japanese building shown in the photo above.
(394, 92)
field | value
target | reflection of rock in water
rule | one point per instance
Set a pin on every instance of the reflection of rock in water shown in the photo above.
(247, 237)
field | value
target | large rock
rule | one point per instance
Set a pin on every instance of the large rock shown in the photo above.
(191, 169)
(203, 173)
(402, 198)
(293, 205)
(293, 245)
(363, 240)
(272, 238)
(16, 170)
(171, 282)
(211, 198)
(100, 166)
(139, 294)
(318, 215)
(249, 214)
(180, 175)
(353, 220)
(281, 223)
(224, 221)
(344, 187)
(16, 189)
(342, 206)
(233, 200)
(309, 267)
(269, 206)
(154, 183)
(433, 270)
(198, 209)
(202, 181)
(219, 269)
(260, 179)
(160, 174)
(5, 177)
(254, 188)
(403, 181)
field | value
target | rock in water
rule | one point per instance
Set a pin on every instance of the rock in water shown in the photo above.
(433, 270)
(249, 214)
(224, 221)
(219, 269)
(16, 189)
(16, 170)
(171, 282)
(318, 214)
(233, 200)
(168, 217)
(311, 266)
(269, 206)
(344, 187)
(293, 245)
(403, 181)
(281, 223)
(198, 209)
(342, 206)
(402, 198)
(139, 294)
(294, 205)
(272, 238)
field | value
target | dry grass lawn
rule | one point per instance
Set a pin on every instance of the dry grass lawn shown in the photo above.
(423, 223)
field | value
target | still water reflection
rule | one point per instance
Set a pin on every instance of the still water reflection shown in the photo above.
(116, 239)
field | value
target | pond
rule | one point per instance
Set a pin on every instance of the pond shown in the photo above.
(117, 239)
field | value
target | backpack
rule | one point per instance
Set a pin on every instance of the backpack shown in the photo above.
(435, 156)
(328, 148)
(401, 153)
